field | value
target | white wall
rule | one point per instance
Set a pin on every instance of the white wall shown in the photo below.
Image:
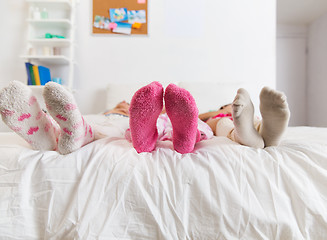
(301, 71)
(291, 70)
(12, 28)
(225, 41)
(317, 73)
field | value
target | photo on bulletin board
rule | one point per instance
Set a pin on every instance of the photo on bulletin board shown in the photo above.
(128, 17)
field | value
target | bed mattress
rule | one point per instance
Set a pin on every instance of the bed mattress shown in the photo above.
(223, 190)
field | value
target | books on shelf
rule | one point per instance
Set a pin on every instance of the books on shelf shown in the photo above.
(37, 75)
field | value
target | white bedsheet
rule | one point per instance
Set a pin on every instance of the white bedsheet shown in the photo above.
(223, 190)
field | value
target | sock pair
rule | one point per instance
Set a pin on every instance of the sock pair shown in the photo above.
(65, 131)
(275, 116)
(145, 108)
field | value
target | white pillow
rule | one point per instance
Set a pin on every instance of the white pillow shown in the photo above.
(208, 95)
(117, 92)
(211, 95)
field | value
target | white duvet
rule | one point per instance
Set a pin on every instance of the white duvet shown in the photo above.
(221, 191)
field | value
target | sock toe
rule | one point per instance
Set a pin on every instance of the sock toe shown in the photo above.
(75, 131)
(243, 116)
(183, 113)
(21, 111)
(146, 106)
(275, 115)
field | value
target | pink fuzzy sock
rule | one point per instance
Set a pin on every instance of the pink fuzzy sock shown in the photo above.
(75, 132)
(145, 109)
(183, 113)
(21, 111)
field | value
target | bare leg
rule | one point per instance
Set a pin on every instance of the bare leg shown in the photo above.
(224, 127)
(243, 114)
(275, 116)
(212, 123)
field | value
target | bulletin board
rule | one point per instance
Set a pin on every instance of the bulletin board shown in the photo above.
(103, 23)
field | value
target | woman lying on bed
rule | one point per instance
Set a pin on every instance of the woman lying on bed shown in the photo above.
(65, 129)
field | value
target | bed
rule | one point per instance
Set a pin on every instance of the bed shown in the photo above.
(223, 190)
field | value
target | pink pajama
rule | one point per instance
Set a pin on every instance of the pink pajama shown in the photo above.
(165, 129)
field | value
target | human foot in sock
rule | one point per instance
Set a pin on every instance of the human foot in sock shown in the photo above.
(145, 108)
(183, 113)
(75, 132)
(243, 114)
(21, 111)
(275, 116)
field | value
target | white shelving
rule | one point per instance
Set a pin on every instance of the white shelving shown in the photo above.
(53, 42)
(66, 4)
(58, 59)
(56, 53)
(58, 23)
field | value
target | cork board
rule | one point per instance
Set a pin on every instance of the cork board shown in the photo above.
(101, 8)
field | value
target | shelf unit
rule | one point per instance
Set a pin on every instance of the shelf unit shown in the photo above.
(51, 42)
(58, 59)
(67, 4)
(60, 23)
(40, 50)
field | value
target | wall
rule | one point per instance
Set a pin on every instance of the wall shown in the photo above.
(223, 41)
(12, 43)
(291, 69)
(188, 40)
(317, 73)
(12, 40)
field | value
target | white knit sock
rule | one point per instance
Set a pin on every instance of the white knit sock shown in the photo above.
(275, 115)
(243, 114)
(21, 111)
(75, 132)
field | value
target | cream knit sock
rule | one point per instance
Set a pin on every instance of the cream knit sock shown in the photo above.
(275, 116)
(243, 114)
(21, 111)
(75, 132)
